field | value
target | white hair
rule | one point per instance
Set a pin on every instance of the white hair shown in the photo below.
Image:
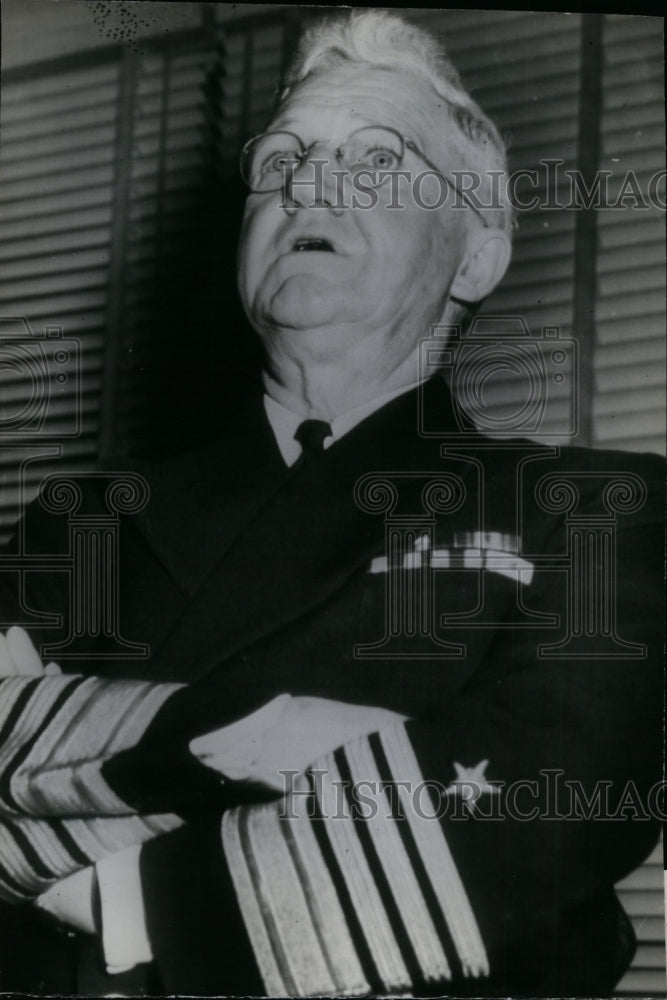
(383, 40)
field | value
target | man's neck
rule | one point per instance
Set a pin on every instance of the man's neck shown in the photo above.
(326, 393)
(284, 422)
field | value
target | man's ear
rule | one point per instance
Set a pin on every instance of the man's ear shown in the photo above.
(486, 259)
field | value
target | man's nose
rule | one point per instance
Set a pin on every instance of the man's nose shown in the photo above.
(316, 181)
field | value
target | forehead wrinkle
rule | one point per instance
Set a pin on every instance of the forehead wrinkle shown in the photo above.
(376, 86)
(320, 110)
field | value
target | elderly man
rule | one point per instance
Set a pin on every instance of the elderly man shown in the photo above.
(369, 689)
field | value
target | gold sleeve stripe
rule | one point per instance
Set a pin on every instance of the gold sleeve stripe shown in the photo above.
(399, 873)
(364, 893)
(60, 772)
(55, 733)
(335, 899)
(436, 855)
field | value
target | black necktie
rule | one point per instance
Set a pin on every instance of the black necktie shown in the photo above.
(311, 434)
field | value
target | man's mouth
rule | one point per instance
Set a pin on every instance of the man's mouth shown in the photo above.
(312, 244)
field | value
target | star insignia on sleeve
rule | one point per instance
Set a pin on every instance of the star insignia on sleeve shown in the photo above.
(470, 783)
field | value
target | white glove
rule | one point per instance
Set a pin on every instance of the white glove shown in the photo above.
(287, 734)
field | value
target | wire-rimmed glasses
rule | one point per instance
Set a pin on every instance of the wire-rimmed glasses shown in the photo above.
(269, 159)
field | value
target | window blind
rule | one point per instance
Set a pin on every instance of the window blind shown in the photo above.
(191, 111)
(169, 140)
(629, 396)
(56, 171)
(524, 71)
(642, 895)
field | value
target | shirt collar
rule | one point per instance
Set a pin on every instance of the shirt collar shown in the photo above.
(284, 422)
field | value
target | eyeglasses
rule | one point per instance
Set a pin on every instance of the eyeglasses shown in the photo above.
(268, 160)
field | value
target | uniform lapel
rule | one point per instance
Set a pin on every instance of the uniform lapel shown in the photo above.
(300, 539)
(200, 502)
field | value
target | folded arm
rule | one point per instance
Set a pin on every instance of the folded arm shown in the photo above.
(495, 832)
(57, 730)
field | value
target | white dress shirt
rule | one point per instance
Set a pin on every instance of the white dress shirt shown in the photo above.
(284, 422)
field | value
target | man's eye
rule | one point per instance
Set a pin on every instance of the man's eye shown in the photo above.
(382, 159)
(277, 162)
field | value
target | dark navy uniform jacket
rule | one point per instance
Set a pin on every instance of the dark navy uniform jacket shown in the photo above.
(506, 597)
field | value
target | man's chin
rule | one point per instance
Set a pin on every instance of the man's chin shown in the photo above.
(304, 304)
